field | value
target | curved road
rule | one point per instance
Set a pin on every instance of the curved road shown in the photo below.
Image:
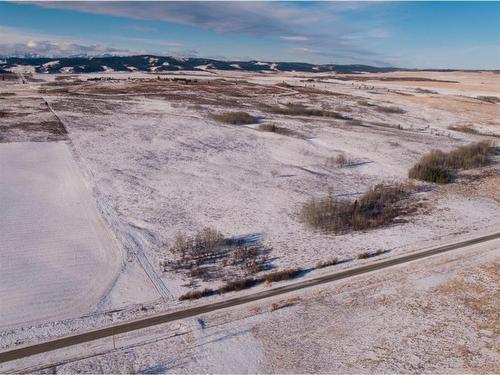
(21, 352)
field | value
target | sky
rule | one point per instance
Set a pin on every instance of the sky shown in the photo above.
(458, 35)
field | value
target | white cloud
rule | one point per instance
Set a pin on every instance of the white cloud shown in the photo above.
(22, 42)
(295, 38)
(254, 18)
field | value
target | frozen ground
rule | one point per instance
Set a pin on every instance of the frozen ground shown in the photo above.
(161, 166)
(57, 259)
(156, 164)
(439, 315)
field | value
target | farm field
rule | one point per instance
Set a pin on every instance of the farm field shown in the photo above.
(111, 181)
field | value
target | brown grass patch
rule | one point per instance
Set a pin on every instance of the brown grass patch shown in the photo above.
(489, 99)
(272, 128)
(235, 118)
(438, 167)
(390, 109)
(295, 109)
(463, 129)
(327, 263)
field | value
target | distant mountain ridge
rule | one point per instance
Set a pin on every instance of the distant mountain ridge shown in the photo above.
(157, 64)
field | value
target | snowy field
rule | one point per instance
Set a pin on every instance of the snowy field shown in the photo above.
(89, 220)
(438, 315)
(57, 259)
(161, 165)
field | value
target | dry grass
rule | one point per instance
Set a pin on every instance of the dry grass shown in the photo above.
(425, 91)
(272, 128)
(390, 110)
(295, 109)
(286, 274)
(285, 303)
(235, 118)
(438, 167)
(341, 160)
(463, 129)
(368, 254)
(240, 284)
(244, 283)
(327, 263)
(489, 99)
(196, 294)
(379, 206)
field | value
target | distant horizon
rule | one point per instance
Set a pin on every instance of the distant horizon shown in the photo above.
(235, 61)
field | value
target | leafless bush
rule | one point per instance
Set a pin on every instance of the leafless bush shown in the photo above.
(235, 118)
(438, 167)
(364, 255)
(432, 168)
(489, 99)
(277, 129)
(286, 274)
(238, 285)
(244, 283)
(365, 103)
(249, 282)
(370, 254)
(470, 156)
(425, 91)
(463, 129)
(196, 294)
(286, 303)
(327, 263)
(341, 160)
(209, 256)
(390, 109)
(379, 206)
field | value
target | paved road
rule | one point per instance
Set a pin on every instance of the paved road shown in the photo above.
(123, 327)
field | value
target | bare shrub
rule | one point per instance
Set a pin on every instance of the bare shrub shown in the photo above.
(470, 156)
(208, 255)
(365, 103)
(341, 160)
(463, 129)
(249, 282)
(238, 285)
(432, 168)
(489, 99)
(277, 129)
(438, 167)
(286, 274)
(425, 91)
(245, 283)
(285, 303)
(235, 118)
(390, 109)
(368, 254)
(327, 263)
(196, 294)
(379, 206)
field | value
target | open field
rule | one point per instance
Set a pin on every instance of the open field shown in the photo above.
(57, 258)
(401, 319)
(193, 180)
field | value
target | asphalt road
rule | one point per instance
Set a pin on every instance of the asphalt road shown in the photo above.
(28, 350)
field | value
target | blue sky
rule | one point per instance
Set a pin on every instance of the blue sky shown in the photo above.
(406, 34)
